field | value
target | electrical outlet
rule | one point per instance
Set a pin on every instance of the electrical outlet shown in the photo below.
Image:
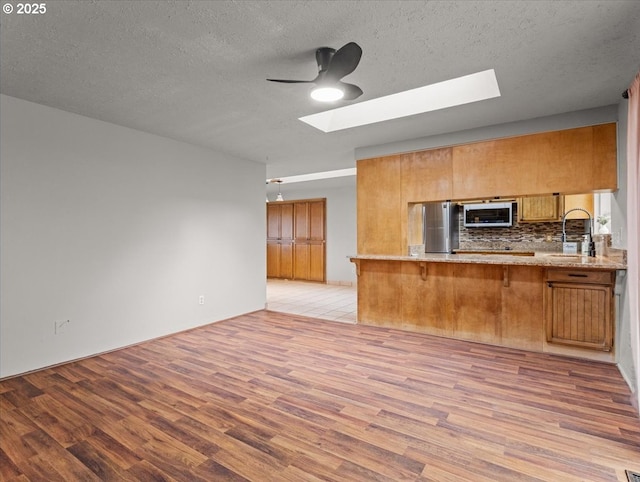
(201, 300)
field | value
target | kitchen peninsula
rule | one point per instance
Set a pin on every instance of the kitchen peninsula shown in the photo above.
(547, 302)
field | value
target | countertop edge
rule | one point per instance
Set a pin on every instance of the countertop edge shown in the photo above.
(542, 260)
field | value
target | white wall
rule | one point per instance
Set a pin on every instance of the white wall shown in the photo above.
(341, 226)
(119, 232)
(619, 239)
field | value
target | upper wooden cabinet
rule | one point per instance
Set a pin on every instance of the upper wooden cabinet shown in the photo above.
(582, 201)
(568, 161)
(380, 212)
(279, 221)
(538, 209)
(427, 176)
(309, 220)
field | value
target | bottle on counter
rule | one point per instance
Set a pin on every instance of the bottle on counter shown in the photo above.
(585, 246)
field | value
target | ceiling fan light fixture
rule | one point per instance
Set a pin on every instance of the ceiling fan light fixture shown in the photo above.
(327, 94)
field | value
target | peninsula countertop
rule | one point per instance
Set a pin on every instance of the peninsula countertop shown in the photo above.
(550, 260)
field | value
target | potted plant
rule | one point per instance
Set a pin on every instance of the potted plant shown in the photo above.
(603, 219)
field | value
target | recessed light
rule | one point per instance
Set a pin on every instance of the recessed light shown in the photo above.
(449, 93)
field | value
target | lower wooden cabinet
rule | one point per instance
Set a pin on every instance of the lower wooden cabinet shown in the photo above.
(309, 261)
(507, 305)
(485, 303)
(280, 259)
(579, 308)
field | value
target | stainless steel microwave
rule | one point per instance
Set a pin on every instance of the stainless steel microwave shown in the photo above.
(488, 215)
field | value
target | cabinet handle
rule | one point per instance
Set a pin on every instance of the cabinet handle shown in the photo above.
(574, 275)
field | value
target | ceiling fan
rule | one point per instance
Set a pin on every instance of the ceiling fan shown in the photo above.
(333, 65)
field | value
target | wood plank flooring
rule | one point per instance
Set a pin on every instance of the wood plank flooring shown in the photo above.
(275, 397)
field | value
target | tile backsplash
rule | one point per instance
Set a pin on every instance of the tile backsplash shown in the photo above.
(536, 236)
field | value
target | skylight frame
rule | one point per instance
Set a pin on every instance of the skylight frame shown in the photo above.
(442, 95)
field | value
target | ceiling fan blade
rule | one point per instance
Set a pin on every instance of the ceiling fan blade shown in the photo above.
(285, 81)
(344, 61)
(350, 91)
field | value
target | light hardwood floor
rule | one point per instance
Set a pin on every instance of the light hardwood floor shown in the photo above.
(276, 397)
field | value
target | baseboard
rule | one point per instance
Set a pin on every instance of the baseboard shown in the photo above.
(630, 383)
(106, 352)
(341, 283)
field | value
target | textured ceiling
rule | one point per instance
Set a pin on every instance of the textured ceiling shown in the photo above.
(195, 70)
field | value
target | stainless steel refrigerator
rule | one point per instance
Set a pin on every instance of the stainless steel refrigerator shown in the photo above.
(441, 227)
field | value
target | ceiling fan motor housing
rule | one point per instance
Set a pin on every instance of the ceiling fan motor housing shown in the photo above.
(323, 58)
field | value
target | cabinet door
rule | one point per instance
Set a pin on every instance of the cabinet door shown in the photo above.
(583, 201)
(316, 220)
(427, 176)
(537, 209)
(286, 260)
(279, 221)
(301, 261)
(286, 221)
(316, 261)
(273, 220)
(301, 221)
(579, 315)
(379, 207)
(279, 259)
(273, 259)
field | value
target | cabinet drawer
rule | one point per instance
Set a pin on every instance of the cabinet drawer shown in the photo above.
(581, 276)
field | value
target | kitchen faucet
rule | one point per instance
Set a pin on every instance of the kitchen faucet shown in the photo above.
(564, 221)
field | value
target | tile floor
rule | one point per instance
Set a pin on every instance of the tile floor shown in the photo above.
(328, 302)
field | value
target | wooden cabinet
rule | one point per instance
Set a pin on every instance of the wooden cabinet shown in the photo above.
(579, 308)
(583, 201)
(280, 240)
(381, 214)
(567, 161)
(309, 240)
(296, 240)
(536, 209)
(499, 305)
(427, 176)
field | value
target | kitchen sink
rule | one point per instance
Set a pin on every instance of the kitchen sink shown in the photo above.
(563, 255)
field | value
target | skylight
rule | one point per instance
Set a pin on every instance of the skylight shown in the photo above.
(449, 93)
(317, 175)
